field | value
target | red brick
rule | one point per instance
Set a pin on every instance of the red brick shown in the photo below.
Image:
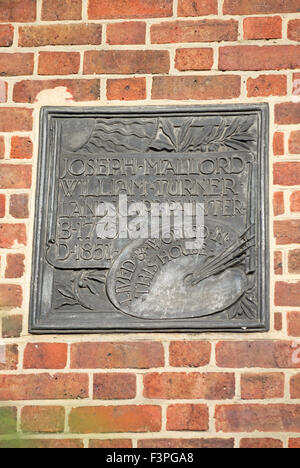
(127, 89)
(60, 34)
(50, 419)
(294, 30)
(16, 11)
(210, 386)
(132, 32)
(45, 356)
(190, 353)
(247, 354)
(259, 58)
(296, 84)
(263, 28)
(42, 443)
(263, 418)
(294, 261)
(114, 386)
(15, 266)
(294, 443)
(12, 326)
(262, 386)
(293, 322)
(287, 113)
(59, 10)
(10, 294)
(187, 418)
(267, 85)
(295, 386)
(9, 357)
(18, 206)
(12, 235)
(295, 202)
(3, 92)
(261, 444)
(139, 355)
(81, 90)
(2, 205)
(115, 419)
(278, 144)
(15, 119)
(196, 87)
(8, 420)
(44, 387)
(126, 62)
(6, 35)
(287, 232)
(287, 294)
(16, 64)
(187, 443)
(194, 59)
(59, 63)
(278, 263)
(15, 176)
(110, 444)
(278, 323)
(2, 147)
(256, 7)
(21, 148)
(197, 7)
(287, 173)
(294, 142)
(123, 9)
(194, 31)
(278, 203)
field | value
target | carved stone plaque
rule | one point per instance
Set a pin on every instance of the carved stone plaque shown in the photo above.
(151, 219)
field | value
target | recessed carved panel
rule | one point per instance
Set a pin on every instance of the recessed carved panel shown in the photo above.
(155, 268)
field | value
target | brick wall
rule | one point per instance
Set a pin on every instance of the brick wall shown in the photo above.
(163, 390)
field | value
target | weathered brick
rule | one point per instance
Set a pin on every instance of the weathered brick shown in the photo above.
(50, 419)
(126, 62)
(107, 9)
(287, 232)
(3, 91)
(6, 35)
(22, 443)
(139, 355)
(295, 202)
(16, 11)
(114, 386)
(278, 321)
(294, 261)
(2, 147)
(10, 294)
(190, 353)
(18, 206)
(263, 28)
(294, 142)
(194, 31)
(60, 34)
(251, 57)
(2, 205)
(21, 148)
(59, 10)
(278, 263)
(287, 113)
(8, 420)
(287, 173)
(194, 59)
(15, 266)
(45, 356)
(187, 443)
(127, 89)
(263, 418)
(293, 322)
(287, 294)
(278, 203)
(262, 386)
(197, 7)
(12, 326)
(295, 386)
(294, 443)
(187, 418)
(196, 87)
(44, 387)
(110, 444)
(261, 444)
(12, 235)
(58, 63)
(267, 85)
(256, 7)
(278, 144)
(115, 419)
(15, 176)
(132, 32)
(210, 386)
(81, 90)
(16, 64)
(294, 30)
(247, 354)
(15, 120)
(9, 357)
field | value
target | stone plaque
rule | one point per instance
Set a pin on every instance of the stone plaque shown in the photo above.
(151, 219)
